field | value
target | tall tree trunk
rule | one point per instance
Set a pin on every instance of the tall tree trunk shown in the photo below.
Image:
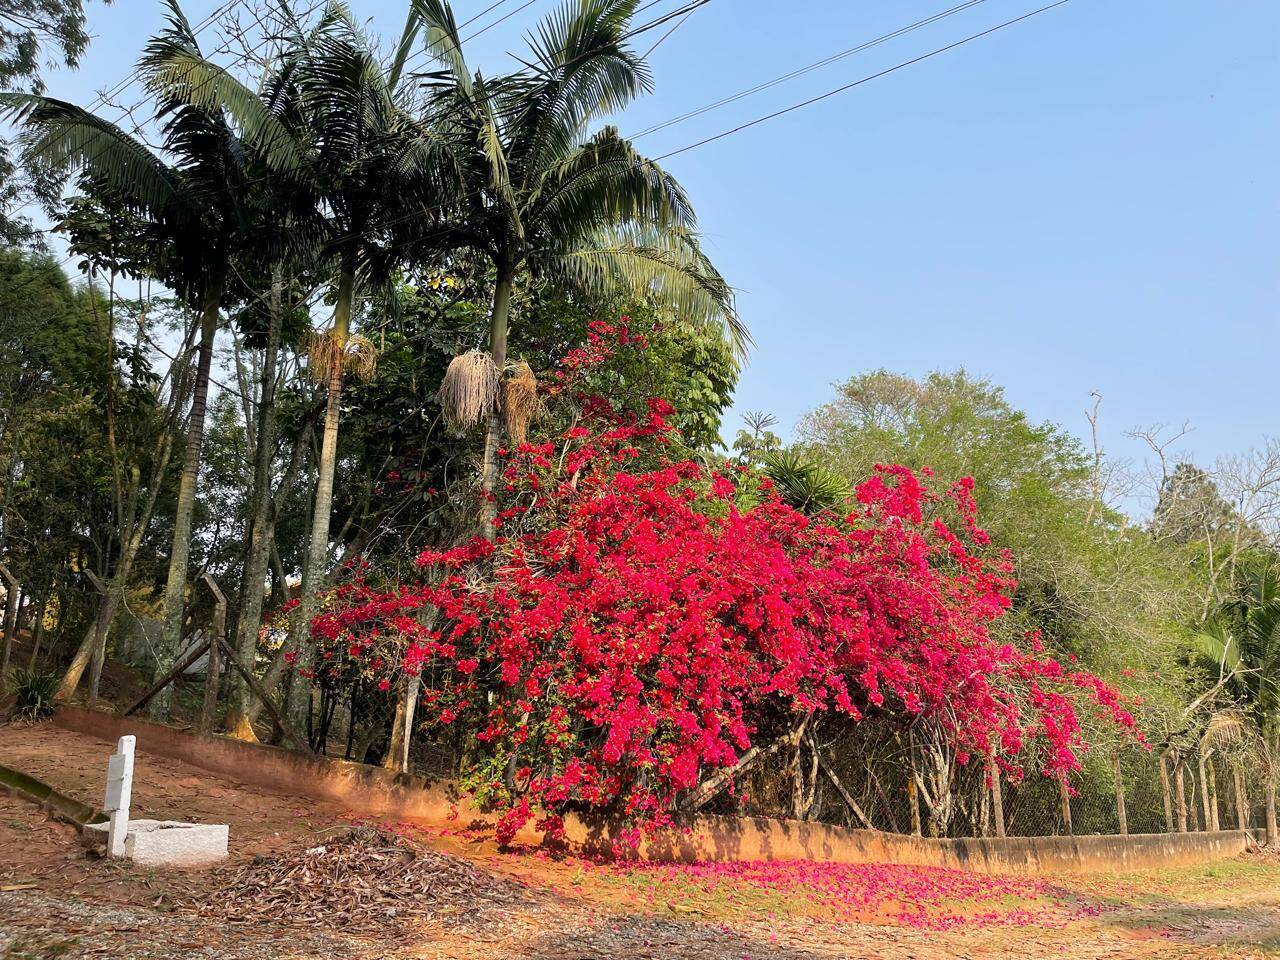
(498, 325)
(1272, 774)
(38, 636)
(397, 758)
(1242, 799)
(997, 796)
(255, 571)
(1064, 796)
(1205, 799)
(175, 589)
(299, 702)
(1214, 819)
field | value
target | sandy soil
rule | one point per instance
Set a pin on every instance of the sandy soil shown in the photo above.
(58, 900)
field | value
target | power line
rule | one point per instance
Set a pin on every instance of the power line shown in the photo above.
(129, 79)
(826, 61)
(857, 83)
(777, 113)
(663, 39)
(501, 19)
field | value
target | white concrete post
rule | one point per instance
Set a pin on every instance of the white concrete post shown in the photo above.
(119, 793)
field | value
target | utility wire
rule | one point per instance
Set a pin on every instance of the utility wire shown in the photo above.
(801, 71)
(129, 79)
(417, 214)
(856, 83)
(777, 113)
(663, 39)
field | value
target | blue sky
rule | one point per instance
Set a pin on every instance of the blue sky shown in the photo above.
(1085, 201)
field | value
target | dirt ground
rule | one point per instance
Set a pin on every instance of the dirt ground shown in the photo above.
(59, 900)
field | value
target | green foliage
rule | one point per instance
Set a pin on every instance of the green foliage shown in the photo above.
(1240, 645)
(808, 487)
(33, 692)
(540, 187)
(1091, 583)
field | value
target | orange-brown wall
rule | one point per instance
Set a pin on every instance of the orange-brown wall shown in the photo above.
(373, 791)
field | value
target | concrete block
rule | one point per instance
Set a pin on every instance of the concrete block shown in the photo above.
(168, 843)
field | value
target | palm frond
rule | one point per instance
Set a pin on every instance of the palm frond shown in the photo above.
(61, 140)
(1226, 729)
(178, 73)
(440, 36)
(607, 181)
(639, 262)
(582, 70)
(1216, 646)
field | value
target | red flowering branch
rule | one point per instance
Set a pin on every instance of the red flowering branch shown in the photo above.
(635, 633)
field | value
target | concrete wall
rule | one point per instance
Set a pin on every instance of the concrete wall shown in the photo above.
(370, 790)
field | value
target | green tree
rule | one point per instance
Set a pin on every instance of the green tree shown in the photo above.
(537, 191)
(1094, 584)
(33, 33)
(191, 213)
(1240, 646)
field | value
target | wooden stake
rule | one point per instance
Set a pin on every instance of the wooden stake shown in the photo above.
(290, 734)
(14, 590)
(997, 795)
(179, 668)
(1168, 793)
(1064, 795)
(845, 795)
(1121, 813)
(212, 674)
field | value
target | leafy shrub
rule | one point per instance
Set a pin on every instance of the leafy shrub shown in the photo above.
(34, 692)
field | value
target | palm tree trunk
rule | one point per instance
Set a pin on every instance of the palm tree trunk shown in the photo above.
(1242, 799)
(175, 590)
(493, 437)
(38, 637)
(299, 702)
(255, 572)
(1269, 754)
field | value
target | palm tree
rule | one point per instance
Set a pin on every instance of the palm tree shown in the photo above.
(370, 160)
(281, 200)
(193, 216)
(541, 193)
(1241, 643)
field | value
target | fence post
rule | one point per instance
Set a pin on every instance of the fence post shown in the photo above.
(1064, 794)
(212, 673)
(10, 617)
(1243, 814)
(99, 641)
(1121, 813)
(1204, 791)
(997, 795)
(1180, 788)
(1214, 823)
(913, 797)
(1167, 791)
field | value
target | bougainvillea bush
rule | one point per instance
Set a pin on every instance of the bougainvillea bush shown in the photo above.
(644, 620)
